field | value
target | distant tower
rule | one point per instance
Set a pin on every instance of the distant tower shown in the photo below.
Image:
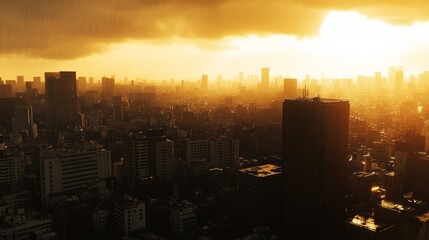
(61, 97)
(315, 138)
(396, 76)
(107, 88)
(265, 78)
(204, 82)
(290, 88)
(20, 85)
(118, 109)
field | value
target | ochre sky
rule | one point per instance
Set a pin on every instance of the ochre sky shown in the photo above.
(162, 39)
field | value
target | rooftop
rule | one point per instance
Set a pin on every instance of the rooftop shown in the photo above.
(263, 170)
(368, 223)
(424, 217)
(394, 206)
(316, 100)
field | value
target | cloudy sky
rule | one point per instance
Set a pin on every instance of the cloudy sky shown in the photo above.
(163, 39)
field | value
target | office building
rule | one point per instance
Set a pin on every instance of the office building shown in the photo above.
(6, 91)
(11, 167)
(70, 169)
(258, 195)
(183, 217)
(137, 159)
(37, 83)
(118, 109)
(22, 228)
(107, 89)
(20, 85)
(129, 214)
(265, 78)
(204, 82)
(23, 118)
(290, 88)
(223, 152)
(315, 139)
(61, 98)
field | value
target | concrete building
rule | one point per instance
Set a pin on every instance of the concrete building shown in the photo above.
(65, 170)
(183, 218)
(128, 215)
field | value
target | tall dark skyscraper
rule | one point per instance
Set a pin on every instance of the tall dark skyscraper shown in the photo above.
(315, 138)
(61, 97)
(107, 88)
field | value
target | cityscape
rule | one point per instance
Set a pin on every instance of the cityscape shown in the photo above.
(207, 120)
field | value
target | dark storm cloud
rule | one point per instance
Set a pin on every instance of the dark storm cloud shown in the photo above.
(65, 29)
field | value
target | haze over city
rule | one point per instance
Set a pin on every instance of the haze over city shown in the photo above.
(205, 120)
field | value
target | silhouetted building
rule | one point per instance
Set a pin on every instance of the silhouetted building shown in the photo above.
(315, 135)
(398, 215)
(118, 109)
(61, 98)
(72, 219)
(6, 91)
(265, 78)
(137, 159)
(204, 82)
(183, 218)
(290, 88)
(258, 195)
(107, 89)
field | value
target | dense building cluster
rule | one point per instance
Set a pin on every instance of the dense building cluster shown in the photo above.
(240, 158)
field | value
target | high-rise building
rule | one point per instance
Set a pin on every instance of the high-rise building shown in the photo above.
(204, 81)
(11, 167)
(81, 85)
(61, 98)
(183, 218)
(20, 85)
(223, 152)
(137, 159)
(37, 83)
(396, 76)
(265, 78)
(6, 91)
(258, 194)
(65, 169)
(107, 88)
(290, 88)
(128, 215)
(315, 139)
(164, 158)
(118, 109)
(23, 118)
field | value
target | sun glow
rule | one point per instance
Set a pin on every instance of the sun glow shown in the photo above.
(347, 43)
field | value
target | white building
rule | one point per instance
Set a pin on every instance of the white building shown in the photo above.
(64, 170)
(128, 215)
